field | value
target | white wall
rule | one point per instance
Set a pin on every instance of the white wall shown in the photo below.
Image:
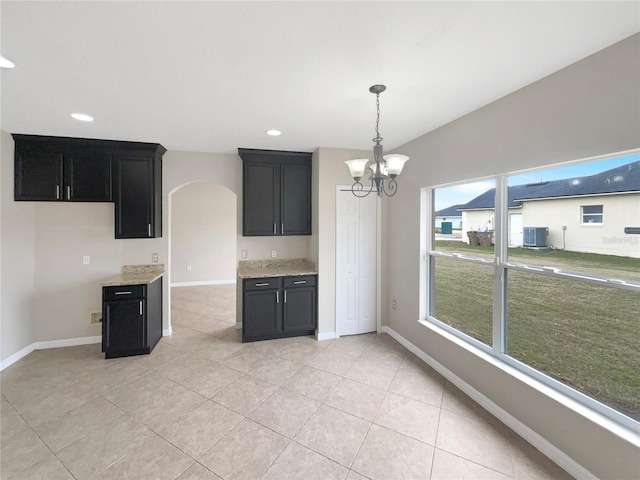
(17, 240)
(587, 109)
(607, 238)
(203, 233)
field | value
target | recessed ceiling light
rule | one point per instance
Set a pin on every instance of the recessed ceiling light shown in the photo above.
(82, 117)
(274, 133)
(4, 63)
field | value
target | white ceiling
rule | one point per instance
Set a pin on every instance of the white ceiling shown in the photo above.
(213, 76)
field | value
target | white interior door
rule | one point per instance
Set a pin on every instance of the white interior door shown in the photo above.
(356, 263)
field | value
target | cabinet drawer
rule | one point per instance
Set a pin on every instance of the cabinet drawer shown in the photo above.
(262, 283)
(124, 292)
(300, 281)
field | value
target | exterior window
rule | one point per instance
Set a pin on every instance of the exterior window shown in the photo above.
(523, 282)
(591, 214)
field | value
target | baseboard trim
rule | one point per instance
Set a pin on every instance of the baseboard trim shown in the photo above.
(326, 336)
(67, 342)
(542, 444)
(204, 282)
(167, 332)
(7, 362)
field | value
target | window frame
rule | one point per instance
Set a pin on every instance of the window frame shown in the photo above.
(582, 215)
(502, 266)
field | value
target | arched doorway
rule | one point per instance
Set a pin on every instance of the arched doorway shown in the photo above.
(202, 238)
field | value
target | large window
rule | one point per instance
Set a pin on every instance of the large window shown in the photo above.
(524, 280)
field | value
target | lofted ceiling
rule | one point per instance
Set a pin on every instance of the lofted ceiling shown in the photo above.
(214, 76)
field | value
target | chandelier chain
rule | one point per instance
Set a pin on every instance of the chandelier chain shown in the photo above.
(377, 118)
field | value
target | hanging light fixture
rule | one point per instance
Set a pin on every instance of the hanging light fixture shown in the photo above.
(382, 169)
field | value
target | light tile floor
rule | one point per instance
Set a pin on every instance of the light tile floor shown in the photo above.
(205, 406)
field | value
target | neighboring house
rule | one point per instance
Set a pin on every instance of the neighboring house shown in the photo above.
(450, 214)
(585, 214)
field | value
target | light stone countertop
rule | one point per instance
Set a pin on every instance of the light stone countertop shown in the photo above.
(284, 267)
(136, 275)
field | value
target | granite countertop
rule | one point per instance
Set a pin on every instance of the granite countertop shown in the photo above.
(276, 268)
(136, 275)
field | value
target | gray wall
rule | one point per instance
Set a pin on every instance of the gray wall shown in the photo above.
(48, 294)
(203, 233)
(17, 238)
(589, 108)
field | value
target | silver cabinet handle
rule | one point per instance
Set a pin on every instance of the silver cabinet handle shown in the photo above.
(123, 293)
(274, 228)
(277, 296)
(68, 192)
(282, 228)
(57, 192)
(285, 296)
(140, 307)
(262, 284)
(300, 282)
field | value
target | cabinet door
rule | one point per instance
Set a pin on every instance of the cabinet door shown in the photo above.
(87, 175)
(123, 327)
(295, 199)
(260, 196)
(38, 175)
(133, 195)
(262, 313)
(300, 309)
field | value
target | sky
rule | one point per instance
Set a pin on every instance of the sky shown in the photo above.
(460, 194)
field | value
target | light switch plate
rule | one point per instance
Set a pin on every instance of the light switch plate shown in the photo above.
(86, 259)
(244, 253)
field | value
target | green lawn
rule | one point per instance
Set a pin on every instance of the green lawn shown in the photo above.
(584, 335)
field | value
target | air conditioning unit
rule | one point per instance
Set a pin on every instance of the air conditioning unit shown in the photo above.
(535, 236)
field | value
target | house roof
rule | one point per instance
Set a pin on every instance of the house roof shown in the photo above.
(452, 211)
(623, 179)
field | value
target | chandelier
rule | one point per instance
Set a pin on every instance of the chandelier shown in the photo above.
(383, 169)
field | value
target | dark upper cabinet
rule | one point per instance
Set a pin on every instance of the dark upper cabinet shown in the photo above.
(87, 176)
(86, 170)
(138, 194)
(276, 192)
(59, 169)
(260, 199)
(38, 175)
(295, 199)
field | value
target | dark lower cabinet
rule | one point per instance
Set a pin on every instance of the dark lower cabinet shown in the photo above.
(131, 319)
(277, 307)
(299, 310)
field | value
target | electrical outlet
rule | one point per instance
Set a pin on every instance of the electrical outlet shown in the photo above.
(95, 318)
(188, 268)
(273, 254)
(86, 259)
(244, 253)
(394, 304)
(564, 227)
(154, 258)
